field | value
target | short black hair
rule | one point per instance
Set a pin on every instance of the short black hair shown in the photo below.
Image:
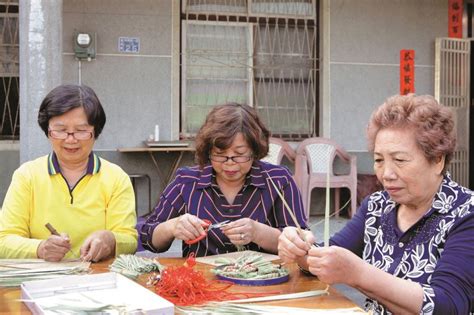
(67, 97)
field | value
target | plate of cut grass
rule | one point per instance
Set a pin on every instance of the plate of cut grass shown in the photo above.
(252, 270)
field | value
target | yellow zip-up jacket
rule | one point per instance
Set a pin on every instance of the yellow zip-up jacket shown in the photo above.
(102, 200)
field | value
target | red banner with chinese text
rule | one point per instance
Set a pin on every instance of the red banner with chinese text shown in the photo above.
(407, 71)
(455, 11)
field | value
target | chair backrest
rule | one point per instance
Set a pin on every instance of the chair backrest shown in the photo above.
(278, 148)
(320, 154)
(314, 161)
(320, 157)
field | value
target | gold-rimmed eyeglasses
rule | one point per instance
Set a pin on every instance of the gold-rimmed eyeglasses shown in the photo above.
(78, 135)
(236, 159)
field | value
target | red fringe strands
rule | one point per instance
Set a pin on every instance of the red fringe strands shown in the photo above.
(184, 286)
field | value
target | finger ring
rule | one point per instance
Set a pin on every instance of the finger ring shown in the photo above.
(242, 236)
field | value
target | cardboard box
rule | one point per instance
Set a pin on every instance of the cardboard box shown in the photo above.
(86, 290)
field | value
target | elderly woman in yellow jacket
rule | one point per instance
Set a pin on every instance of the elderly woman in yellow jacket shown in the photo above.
(87, 198)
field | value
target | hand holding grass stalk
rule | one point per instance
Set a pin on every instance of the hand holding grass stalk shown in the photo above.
(297, 254)
(290, 212)
(56, 246)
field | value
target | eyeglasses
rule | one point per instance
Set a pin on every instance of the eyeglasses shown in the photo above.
(236, 159)
(78, 135)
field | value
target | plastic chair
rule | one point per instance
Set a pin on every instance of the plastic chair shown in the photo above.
(314, 159)
(279, 148)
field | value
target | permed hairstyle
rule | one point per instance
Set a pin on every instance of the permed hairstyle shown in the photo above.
(431, 122)
(222, 125)
(67, 97)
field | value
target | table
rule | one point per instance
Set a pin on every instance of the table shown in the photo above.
(298, 282)
(165, 180)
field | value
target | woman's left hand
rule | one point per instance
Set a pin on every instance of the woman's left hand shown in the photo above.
(241, 232)
(334, 264)
(99, 245)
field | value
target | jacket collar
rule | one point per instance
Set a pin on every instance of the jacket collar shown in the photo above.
(93, 164)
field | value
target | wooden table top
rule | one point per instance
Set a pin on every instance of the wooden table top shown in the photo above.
(190, 147)
(298, 282)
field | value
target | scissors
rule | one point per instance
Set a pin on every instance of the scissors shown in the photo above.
(207, 229)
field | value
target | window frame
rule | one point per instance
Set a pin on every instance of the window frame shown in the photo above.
(253, 19)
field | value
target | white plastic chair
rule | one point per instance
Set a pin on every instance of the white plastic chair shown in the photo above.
(279, 148)
(314, 159)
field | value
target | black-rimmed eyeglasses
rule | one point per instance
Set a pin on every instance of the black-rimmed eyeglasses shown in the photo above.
(78, 135)
(236, 159)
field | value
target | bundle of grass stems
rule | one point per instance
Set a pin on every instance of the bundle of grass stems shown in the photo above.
(85, 305)
(233, 308)
(13, 272)
(132, 266)
(252, 266)
(246, 306)
(80, 303)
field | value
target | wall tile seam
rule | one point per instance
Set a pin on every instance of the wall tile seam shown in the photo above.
(377, 64)
(126, 14)
(123, 55)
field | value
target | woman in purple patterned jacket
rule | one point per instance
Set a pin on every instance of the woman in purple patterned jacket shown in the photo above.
(229, 184)
(410, 247)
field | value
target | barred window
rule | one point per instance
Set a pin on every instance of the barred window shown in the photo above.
(9, 71)
(260, 52)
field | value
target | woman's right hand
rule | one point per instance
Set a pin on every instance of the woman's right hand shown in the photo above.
(291, 246)
(188, 227)
(54, 248)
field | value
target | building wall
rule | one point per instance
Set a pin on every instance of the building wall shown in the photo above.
(135, 89)
(360, 43)
(366, 37)
(360, 64)
(9, 162)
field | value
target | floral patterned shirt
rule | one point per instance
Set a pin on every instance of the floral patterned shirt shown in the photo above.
(437, 251)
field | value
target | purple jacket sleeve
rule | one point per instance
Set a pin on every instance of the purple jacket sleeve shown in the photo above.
(453, 279)
(170, 205)
(293, 199)
(451, 288)
(351, 236)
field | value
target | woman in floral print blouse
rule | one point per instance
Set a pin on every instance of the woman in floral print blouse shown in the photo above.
(410, 247)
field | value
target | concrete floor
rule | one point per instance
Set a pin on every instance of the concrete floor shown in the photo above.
(316, 224)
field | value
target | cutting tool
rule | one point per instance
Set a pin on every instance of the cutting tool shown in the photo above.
(207, 229)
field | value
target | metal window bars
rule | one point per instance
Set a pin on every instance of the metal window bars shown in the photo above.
(9, 71)
(452, 81)
(259, 52)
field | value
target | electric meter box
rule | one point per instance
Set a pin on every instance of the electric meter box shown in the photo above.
(85, 45)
